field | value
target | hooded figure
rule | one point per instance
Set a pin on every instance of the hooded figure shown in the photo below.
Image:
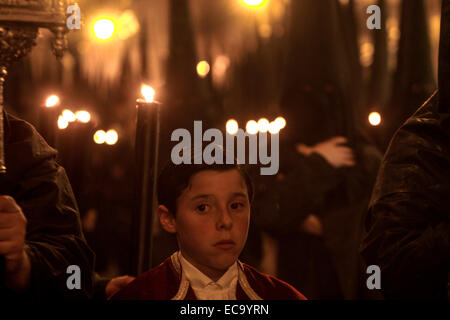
(414, 80)
(317, 107)
(408, 223)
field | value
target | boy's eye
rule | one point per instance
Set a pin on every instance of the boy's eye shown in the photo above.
(237, 205)
(202, 208)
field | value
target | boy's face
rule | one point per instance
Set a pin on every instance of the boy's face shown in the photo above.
(212, 220)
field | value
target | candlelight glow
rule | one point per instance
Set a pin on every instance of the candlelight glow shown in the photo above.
(232, 126)
(99, 137)
(128, 25)
(203, 68)
(252, 127)
(274, 127)
(83, 116)
(265, 30)
(374, 119)
(219, 69)
(254, 3)
(68, 115)
(281, 122)
(62, 123)
(111, 137)
(148, 93)
(52, 101)
(104, 29)
(263, 125)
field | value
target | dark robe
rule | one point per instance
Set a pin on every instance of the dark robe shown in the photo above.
(165, 282)
(408, 223)
(328, 266)
(54, 239)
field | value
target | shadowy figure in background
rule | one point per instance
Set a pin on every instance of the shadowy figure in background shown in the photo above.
(304, 209)
(327, 166)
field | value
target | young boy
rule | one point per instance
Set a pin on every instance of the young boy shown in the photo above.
(208, 208)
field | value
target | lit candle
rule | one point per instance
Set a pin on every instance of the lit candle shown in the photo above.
(48, 119)
(147, 147)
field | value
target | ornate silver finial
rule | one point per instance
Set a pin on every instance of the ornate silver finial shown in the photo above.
(19, 23)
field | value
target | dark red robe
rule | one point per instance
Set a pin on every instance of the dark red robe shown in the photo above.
(165, 282)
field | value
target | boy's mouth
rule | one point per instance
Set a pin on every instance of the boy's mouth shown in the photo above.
(225, 244)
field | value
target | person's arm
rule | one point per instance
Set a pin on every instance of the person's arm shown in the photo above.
(54, 240)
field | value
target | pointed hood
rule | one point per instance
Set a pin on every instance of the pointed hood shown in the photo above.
(378, 87)
(181, 80)
(414, 80)
(350, 34)
(444, 59)
(314, 100)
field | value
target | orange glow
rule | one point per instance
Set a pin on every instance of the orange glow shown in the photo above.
(255, 3)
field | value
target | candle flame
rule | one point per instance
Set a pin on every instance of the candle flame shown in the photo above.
(374, 119)
(252, 127)
(148, 93)
(232, 126)
(274, 128)
(62, 123)
(104, 29)
(68, 115)
(203, 68)
(52, 101)
(111, 137)
(99, 137)
(263, 125)
(83, 116)
(281, 122)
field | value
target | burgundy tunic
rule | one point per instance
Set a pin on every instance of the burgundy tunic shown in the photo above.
(165, 282)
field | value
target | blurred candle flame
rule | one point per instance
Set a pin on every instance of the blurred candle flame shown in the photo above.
(148, 93)
(52, 101)
(62, 123)
(83, 116)
(69, 116)
(252, 127)
(232, 126)
(374, 119)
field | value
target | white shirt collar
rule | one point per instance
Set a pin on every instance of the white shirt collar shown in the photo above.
(204, 287)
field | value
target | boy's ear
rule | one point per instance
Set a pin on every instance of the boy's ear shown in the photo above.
(166, 219)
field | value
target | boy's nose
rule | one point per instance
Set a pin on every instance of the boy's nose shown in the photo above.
(224, 220)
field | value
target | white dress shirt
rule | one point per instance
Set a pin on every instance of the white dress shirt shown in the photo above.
(207, 289)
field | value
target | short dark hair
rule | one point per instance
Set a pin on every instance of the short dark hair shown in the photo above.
(175, 178)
